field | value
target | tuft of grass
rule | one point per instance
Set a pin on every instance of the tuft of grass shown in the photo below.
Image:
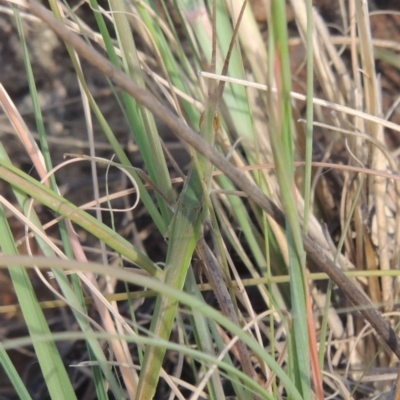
(245, 220)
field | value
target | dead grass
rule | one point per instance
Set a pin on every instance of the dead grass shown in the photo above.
(353, 230)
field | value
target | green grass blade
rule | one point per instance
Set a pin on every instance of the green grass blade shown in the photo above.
(157, 218)
(51, 364)
(174, 65)
(185, 232)
(203, 337)
(175, 295)
(74, 296)
(300, 328)
(283, 150)
(58, 204)
(13, 375)
(145, 132)
(235, 97)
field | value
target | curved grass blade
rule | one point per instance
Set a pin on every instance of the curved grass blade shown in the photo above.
(58, 204)
(51, 364)
(177, 296)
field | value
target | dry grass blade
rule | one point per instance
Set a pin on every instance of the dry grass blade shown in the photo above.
(314, 252)
(377, 187)
(263, 248)
(120, 348)
(214, 276)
